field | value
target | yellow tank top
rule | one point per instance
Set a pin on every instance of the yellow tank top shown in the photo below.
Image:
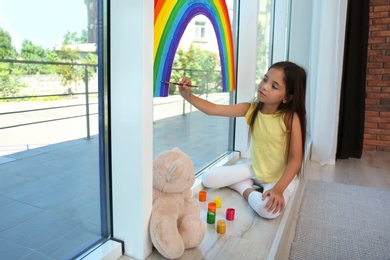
(269, 138)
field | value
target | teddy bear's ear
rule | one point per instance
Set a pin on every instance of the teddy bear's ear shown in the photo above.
(174, 172)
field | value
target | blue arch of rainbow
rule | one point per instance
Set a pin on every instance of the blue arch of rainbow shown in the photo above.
(171, 19)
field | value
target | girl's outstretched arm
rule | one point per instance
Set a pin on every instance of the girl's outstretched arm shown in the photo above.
(276, 202)
(208, 107)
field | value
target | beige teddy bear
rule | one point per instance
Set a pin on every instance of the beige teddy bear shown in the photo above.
(175, 223)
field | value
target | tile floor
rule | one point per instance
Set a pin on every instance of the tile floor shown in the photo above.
(49, 196)
(49, 200)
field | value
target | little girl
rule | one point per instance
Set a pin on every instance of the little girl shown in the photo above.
(277, 129)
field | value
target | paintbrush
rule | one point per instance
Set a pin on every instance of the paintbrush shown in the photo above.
(177, 83)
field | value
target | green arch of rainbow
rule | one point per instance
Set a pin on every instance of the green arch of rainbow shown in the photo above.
(171, 19)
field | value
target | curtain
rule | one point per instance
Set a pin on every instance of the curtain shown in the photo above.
(352, 98)
(325, 71)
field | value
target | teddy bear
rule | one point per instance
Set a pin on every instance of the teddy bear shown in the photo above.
(175, 223)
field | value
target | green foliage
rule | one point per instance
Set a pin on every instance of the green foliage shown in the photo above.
(84, 36)
(261, 66)
(200, 66)
(71, 74)
(48, 69)
(9, 85)
(90, 58)
(72, 38)
(74, 73)
(7, 51)
(32, 52)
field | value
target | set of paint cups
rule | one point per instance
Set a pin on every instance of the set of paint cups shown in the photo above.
(212, 212)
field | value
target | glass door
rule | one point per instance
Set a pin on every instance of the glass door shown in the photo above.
(53, 129)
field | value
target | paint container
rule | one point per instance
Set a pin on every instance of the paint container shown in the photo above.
(210, 217)
(218, 202)
(230, 214)
(202, 195)
(212, 207)
(221, 226)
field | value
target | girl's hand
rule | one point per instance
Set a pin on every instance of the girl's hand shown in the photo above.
(276, 200)
(184, 90)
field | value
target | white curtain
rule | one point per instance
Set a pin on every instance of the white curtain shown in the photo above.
(327, 64)
(317, 43)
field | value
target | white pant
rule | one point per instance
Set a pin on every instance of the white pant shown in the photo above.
(223, 176)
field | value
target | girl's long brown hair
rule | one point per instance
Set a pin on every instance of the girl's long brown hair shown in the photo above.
(295, 81)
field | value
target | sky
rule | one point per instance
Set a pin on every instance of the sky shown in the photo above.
(44, 22)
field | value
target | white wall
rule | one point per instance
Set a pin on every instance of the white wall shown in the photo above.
(131, 122)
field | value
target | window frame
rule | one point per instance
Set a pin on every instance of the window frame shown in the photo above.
(126, 67)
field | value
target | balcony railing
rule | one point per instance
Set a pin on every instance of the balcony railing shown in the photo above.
(41, 99)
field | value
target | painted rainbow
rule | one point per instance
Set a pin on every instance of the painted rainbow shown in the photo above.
(171, 18)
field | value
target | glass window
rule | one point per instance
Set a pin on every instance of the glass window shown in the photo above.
(53, 129)
(200, 30)
(263, 38)
(178, 124)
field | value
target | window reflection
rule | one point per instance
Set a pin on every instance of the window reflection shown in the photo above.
(178, 124)
(263, 38)
(49, 129)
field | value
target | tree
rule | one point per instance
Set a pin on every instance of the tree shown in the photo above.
(72, 38)
(200, 66)
(74, 73)
(70, 73)
(7, 51)
(9, 85)
(32, 52)
(90, 58)
(261, 66)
